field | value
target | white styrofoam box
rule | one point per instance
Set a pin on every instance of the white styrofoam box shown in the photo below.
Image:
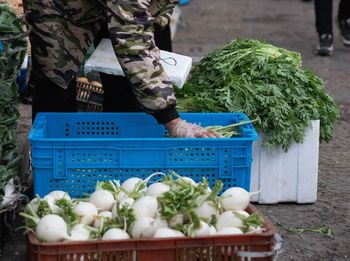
(287, 177)
(104, 60)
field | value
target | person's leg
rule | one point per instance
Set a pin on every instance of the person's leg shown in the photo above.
(344, 21)
(49, 97)
(323, 14)
(162, 38)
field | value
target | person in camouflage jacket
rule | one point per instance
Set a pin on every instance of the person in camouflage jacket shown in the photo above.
(62, 31)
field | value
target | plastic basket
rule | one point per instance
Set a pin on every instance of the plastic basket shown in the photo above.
(89, 97)
(71, 151)
(265, 246)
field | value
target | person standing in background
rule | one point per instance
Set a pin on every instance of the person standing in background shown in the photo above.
(324, 25)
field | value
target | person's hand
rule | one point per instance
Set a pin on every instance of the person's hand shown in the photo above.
(182, 129)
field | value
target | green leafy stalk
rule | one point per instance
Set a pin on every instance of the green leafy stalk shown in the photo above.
(67, 212)
(326, 231)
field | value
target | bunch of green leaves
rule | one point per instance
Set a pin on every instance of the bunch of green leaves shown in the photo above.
(265, 82)
(12, 52)
(183, 196)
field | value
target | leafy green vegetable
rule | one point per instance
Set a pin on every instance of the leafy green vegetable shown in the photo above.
(265, 82)
(182, 197)
(12, 52)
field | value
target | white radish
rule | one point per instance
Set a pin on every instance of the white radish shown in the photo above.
(228, 219)
(102, 199)
(51, 201)
(236, 198)
(144, 227)
(33, 204)
(130, 184)
(229, 231)
(157, 189)
(207, 210)
(87, 212)
(213, 231)
(178, 219)
(79, 233)
(127, 201)
(115, 234)
(101, 217)
(59, 194)
(203, 230)
(145, 207)
(189, 180)
(51, 228)
(254, 230)
(167, 232)
(241, 213)
(160, 222)
(121, 195)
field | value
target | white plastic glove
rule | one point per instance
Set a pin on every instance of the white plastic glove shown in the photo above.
(182, 129)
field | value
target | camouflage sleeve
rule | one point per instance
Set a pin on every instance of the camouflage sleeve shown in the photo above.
(132, 33)
(162, 11)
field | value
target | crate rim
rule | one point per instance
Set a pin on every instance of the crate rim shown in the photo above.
(253, 136)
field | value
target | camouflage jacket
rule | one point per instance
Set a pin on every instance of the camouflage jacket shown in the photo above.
(62, 31)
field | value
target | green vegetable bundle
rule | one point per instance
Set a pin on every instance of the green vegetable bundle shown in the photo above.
(265, 82)
(12, 52)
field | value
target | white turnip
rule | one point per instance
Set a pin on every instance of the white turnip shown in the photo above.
(145, 207)
(207, 210)
(86, 211)
(236, 198)
(101, 217)
(229, 231)
(228, 219)
(203, 230)
(167, 232)
(51, 228)
(145, 227)
(115, 234)
(157, 189)
(79, 233)
(102, 199)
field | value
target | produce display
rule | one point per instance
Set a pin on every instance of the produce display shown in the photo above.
(173, 206)
(265, 82)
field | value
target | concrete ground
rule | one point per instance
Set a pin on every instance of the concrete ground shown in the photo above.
(289, 24)
(209, 24)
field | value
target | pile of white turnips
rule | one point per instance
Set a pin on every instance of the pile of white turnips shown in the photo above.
(175, 206)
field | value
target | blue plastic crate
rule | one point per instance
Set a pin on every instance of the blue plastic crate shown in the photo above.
(71, 151)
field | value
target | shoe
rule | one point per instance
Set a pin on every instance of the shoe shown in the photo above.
(344, 26)
(325, 48)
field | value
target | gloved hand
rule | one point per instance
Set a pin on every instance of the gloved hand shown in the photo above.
(183, 129)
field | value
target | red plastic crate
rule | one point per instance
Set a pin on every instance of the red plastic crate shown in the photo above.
(265, 246)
